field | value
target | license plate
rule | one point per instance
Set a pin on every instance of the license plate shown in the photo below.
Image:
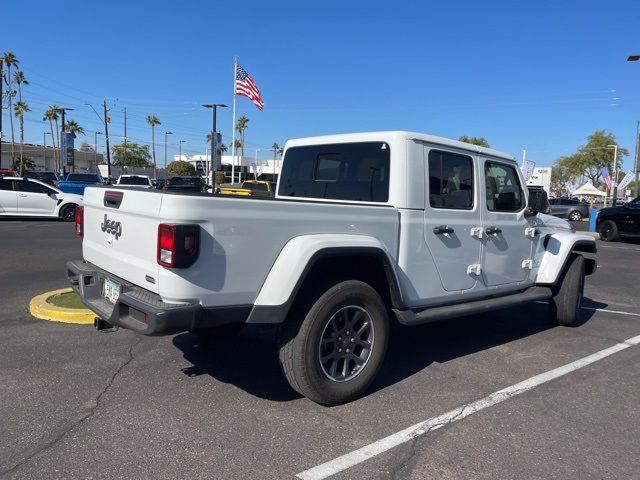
(111, 290)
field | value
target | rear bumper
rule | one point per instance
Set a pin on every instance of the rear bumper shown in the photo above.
(142, 311)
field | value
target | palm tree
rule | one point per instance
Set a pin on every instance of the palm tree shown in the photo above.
(73, 128)
(20, 80)
(241, 125)
(276, 151)
(10, 60)
(223, 148)
(153, 121)
(51, 115)
(20, 108)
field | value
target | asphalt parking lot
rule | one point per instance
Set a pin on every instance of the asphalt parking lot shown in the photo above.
(75, 403)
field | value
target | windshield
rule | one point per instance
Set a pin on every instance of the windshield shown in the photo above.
(635, 202)
(134, 181)
(175, 181)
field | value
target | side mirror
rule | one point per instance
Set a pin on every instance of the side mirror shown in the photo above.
(538, 202)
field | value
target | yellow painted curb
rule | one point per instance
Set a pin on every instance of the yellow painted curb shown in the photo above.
(39, 308)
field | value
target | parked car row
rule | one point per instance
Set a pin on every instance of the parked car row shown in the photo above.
(569, 208)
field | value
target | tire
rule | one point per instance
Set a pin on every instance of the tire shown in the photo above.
(564, 306)
(575, 216)
(333, 354)
(608, 231)
(68, 213)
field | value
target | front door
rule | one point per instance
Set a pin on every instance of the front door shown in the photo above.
(452, 218)
(35, 198)
(507, 247)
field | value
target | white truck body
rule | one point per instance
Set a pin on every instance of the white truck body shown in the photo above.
(457, 241)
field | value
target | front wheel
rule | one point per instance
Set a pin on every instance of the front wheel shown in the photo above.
(334, 354)
(567, 299)
(68, 213)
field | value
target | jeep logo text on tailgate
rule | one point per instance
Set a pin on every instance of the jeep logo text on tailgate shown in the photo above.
(111, 226)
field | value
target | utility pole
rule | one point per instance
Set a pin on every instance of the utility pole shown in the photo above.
(95, 148)
(165, 153)
(106, 137)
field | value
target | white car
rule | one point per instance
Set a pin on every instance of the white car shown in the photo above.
(139, 181)
(26, 197)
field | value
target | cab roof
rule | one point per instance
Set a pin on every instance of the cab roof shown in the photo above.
(398, 135)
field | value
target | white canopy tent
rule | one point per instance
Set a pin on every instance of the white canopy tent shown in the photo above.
(588, 189)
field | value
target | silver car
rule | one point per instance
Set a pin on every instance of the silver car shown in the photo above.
(574, 210)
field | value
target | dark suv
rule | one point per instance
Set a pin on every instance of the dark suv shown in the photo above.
(574, 210)
(51, 178)
(615, 223)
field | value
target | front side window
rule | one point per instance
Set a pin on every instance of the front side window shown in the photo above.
(504, 193)
(6, 184)
(345, 171)
(450, 181)
(33, 187)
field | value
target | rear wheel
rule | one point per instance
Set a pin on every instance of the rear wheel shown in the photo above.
(335, 352)
(608, 231)
(68, 213)
(567, 299)
(575, 216)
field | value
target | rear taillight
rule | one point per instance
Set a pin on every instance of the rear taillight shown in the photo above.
(177, 245)
(79, 221)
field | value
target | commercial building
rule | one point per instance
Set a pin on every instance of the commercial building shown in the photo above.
(46, 158)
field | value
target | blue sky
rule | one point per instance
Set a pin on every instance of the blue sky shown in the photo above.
(539, 76)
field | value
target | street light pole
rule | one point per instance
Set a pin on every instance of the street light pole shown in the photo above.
(44, 136)
(634, 57)
(214, 140)
(165, 153)
(180, 142)
(615, 174)
(1, 115)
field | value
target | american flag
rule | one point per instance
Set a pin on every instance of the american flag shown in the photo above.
(604, 173)
(246, 86)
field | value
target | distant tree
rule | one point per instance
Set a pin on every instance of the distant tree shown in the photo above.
(241, 126)
(595, 154)
(131, 155)
(20, 108)
(180, 168)
(153, 121)
(10, 60)
(51, 115)
(27, 162)
(481, 141)
(73, 128)
(20, 80)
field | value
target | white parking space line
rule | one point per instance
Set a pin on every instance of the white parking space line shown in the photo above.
(376, 448)
(591, 309)
(620, 248)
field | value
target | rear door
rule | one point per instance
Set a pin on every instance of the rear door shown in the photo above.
(506, 244)
(450, 216)
(34, 198)
(8, 200)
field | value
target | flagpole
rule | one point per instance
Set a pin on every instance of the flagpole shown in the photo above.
(233, 126)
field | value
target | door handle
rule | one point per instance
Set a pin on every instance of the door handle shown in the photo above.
(22, 194)
(493, 230)
(442, 229)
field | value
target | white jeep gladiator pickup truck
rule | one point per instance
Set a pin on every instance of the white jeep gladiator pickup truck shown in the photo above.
(365, 229)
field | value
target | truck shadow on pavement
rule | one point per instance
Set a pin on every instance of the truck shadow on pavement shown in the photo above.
(250, 362)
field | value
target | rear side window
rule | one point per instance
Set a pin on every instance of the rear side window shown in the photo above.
(504, 193)
(450, 181)
(345, 171)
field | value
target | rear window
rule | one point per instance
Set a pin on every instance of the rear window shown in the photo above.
(257, 187)
(83, 177)
(177, 181)
(134, 181)
(345, 171)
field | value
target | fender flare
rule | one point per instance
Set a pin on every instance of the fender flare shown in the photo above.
(296, 259)
(558, 249)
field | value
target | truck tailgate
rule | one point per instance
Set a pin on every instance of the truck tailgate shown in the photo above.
(120, 233)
